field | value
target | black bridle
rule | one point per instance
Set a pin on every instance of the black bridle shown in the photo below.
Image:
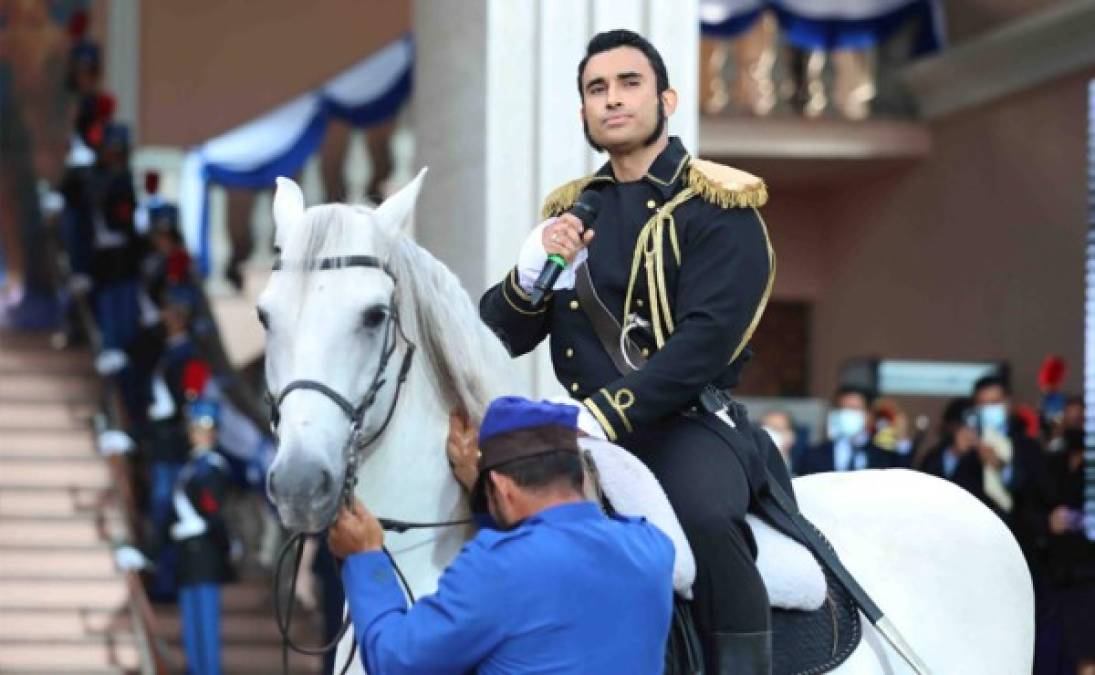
(355, 446)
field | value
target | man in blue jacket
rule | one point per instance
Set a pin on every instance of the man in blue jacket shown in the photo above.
(558, 588)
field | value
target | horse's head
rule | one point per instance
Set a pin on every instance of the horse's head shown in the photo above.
(333, 345)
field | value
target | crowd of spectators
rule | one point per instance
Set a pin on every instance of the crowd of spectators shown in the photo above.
(1024, 463)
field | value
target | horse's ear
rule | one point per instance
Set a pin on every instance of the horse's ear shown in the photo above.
(397, 209)
(288, 203)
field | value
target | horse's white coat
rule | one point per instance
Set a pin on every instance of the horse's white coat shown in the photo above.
(943, 568)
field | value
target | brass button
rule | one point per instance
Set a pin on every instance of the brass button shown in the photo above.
(638, 302)
(650, 203)
(646, 352)
(574, 386)
(574, 304)
(570, 352)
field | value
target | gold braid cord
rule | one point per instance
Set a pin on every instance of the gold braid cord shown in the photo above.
(717, 184)
(650, 254)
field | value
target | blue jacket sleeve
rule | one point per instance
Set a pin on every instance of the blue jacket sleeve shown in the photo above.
(450, 631)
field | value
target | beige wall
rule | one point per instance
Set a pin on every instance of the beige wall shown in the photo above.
(974, 253)
(209, 65)
(966, 19)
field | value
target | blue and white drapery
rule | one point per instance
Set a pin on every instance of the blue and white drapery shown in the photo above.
(829, 24)
(281, 141)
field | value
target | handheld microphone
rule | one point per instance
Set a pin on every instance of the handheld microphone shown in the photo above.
(585, 209)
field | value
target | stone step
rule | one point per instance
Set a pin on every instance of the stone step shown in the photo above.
(61, 624)
(105, 594)
(53, 502)
(253, 659)
(36, 533)
(48, 387)
(39, 474)
(245, 628)
(45, 416)
(89, 658)
(32, 353)
(57, 503)
(47, 361)
(24, 564)
(48, 444)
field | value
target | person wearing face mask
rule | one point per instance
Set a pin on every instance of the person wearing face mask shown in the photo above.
(849, 446)
(955, 457)
(781, 427)
(550, 584)
(1015, 479)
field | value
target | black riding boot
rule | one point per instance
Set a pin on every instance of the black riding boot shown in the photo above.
(743, 654)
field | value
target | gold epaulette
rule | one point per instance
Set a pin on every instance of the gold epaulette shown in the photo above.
(725, 186)
(563, 197)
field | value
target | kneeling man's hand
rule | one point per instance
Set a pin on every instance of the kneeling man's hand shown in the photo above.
(355, 531)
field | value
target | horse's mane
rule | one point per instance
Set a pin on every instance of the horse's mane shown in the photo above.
(468, 361)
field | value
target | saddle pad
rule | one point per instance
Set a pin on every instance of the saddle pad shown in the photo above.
(634, 491)
(791, 575)
(807, 643)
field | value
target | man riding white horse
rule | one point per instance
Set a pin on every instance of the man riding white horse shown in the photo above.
(680, 261)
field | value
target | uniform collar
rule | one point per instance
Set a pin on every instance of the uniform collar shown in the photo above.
(664, 173)
(567, 513)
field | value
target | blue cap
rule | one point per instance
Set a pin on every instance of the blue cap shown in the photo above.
(85, 52)
(204, 412)
(512, 413)
(116, 135)
(164, 217)
(514, 428)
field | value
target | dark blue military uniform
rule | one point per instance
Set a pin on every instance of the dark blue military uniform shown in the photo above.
(683, 250)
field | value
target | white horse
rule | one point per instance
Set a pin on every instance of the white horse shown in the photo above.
(942, 567)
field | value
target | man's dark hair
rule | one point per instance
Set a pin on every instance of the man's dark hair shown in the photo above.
(851, 389)
(612, 39)
(993, 380)
(549, 469)
(956, 411)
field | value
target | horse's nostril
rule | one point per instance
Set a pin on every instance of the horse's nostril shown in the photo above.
(271, 485)
(325, 482)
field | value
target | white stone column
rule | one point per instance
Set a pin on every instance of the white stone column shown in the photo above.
(496, 119)
(122, 61)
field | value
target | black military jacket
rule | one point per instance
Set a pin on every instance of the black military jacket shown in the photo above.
(687, 251)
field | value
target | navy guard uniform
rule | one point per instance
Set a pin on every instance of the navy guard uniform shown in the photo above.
(568, 590)
(683, 256)
(201, 536)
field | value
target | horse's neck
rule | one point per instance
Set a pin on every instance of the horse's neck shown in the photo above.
(407, 477)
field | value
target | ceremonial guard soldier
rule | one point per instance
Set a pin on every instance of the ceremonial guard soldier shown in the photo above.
(202, 540)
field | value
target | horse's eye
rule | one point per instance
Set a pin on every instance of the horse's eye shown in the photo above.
(264, 318)
(373, 317)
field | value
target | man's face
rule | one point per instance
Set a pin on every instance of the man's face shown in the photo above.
(993, 394)
(852, 401)
(499, 494)
(202, 435)
(1073, 417)
(620, 99)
